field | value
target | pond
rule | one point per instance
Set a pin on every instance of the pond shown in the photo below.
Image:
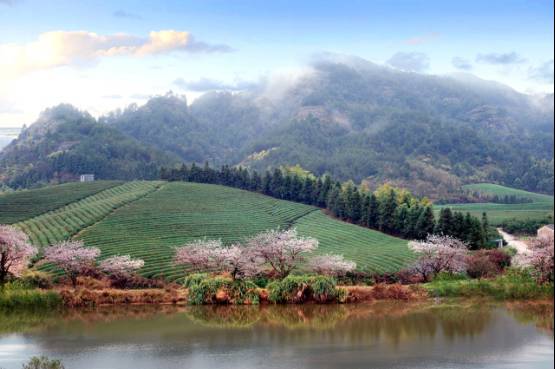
(380, 335)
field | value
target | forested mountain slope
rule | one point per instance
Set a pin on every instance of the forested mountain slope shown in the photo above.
(347, 117)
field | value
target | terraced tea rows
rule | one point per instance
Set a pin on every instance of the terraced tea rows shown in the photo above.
(540, 208)
(179, 212)
(372, 251)
(63, 223)
(21, 205)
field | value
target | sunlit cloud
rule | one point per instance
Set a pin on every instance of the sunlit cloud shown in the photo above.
(61, 48)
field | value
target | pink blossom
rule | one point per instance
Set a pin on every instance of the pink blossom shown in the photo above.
(542, 259)
(213, 256)
(331, 265)
(122, 266)
(439, 254)
(72, 257)
(15, 251)
(281, 251)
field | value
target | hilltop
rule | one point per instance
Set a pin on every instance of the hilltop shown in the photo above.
(347, 117)
(147, 219)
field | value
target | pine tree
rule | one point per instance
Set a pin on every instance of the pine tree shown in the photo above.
(401, 219)
(387, 208)
(364, 212)
(445, 223)
(426, 223)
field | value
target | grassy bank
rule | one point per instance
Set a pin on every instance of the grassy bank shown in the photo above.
(513, 285)
(28, 299)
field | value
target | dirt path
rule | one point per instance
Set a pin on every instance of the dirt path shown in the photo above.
(520, 246)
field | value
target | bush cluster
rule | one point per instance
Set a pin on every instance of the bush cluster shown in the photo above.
(204, 289)
(299, 289)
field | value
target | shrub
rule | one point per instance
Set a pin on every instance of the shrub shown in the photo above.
(515, 284)
(299, 289)
(43, 363)
(36, 279)
(21, 299)
(194, 279)
(478, 265)
(123, 281)
(406, 276)
(222, 290)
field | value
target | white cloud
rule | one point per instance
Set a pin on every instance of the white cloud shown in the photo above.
(461, 63)
(503, 59)
(542, 73)
(207, 84)
(410, 62)
(59, 48)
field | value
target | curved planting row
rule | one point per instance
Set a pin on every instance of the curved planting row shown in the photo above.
(20, 205)
(61, 224)
(371, 250)
(180, 212)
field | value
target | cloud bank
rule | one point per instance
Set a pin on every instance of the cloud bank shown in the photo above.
(410, 62)
(503, 59)
(543, 73)
(59, 48)
(461, 63)
(206, 84)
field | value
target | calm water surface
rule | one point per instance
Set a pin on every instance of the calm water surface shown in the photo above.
(383, 335)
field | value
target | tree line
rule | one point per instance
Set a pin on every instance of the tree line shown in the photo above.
(390, 210)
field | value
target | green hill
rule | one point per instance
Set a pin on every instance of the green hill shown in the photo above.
(495, 189)
(540, 207)
(19, 205)
(148, 219)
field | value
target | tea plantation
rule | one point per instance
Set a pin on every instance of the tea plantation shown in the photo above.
(148, 220)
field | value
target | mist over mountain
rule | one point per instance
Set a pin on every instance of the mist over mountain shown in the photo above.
(345, 116)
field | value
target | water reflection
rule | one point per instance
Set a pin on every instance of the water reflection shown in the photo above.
(328, 336)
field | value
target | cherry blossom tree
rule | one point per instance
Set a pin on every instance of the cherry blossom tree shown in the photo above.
(281, 251)
(213, 256)
(72, 257)
(331, 265)
(121, 266)
(199, 255)
(15, 252)
(439, 254)
(541, 259)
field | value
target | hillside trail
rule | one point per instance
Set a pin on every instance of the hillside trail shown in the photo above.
(523, 251)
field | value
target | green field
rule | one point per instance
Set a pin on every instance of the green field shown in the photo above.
(540, 207)
(63, 223)
(373, 251)
(21, 205)
(149, 219)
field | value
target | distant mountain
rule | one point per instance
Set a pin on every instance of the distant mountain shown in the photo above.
(355, 120)
(7, 135)
(65, 142)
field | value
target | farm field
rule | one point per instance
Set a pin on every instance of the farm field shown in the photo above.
(61, 224)
(148, 219)
(21, 205)
(180, 212)
(540, 207)
(373, 251)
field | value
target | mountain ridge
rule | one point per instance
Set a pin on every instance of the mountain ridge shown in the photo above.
(350, 118)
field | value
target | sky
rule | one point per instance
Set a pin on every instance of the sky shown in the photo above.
(103, 55)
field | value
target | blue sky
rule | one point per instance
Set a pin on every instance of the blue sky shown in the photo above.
(100, 55)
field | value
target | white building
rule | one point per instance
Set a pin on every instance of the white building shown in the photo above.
(86, 178)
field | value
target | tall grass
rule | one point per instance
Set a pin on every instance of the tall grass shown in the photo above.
(17, 298)
(515, 284)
